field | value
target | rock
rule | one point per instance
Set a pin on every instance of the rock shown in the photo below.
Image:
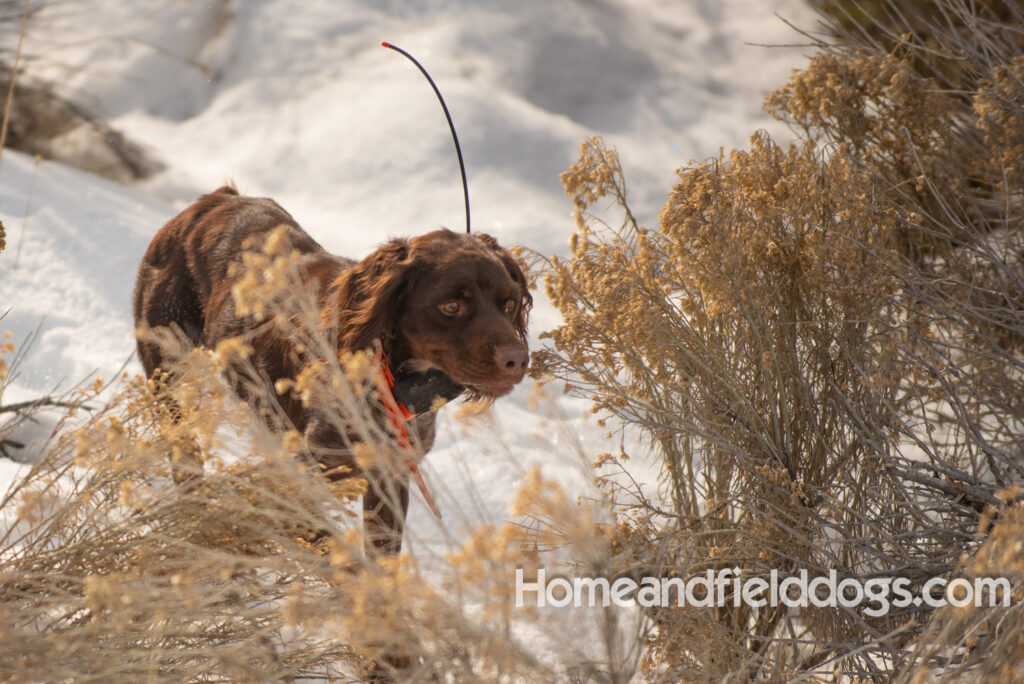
(43, 123)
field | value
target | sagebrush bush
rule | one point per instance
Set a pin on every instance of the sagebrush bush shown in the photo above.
(115, 567)
(111, 570)
(741, 338)
(822, 344)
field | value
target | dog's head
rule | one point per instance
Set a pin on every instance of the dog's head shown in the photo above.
(447, 301)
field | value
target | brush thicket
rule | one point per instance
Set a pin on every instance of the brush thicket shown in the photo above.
(822, 344)
(171, 535)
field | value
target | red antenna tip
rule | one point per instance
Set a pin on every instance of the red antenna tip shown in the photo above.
(385, 43)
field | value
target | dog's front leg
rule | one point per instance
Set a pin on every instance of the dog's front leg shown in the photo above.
(384, 506)
(387, 493)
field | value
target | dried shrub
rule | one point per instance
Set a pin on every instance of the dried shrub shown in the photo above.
(951, 41)
(109, 569)
(752, 340)
(911, 77)
(113, 567)
(887, 117)
(998, 109)
(822, 346)
(979, 643)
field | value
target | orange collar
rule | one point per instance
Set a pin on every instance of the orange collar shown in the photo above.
(398, 413)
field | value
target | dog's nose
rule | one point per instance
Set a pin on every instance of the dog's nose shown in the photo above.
(511, 360)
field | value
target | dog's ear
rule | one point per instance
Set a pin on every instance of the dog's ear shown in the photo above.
(516, 273)
(368, 296)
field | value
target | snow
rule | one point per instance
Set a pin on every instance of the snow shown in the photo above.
(297, 100)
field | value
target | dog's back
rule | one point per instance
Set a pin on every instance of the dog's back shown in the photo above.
(185, 280)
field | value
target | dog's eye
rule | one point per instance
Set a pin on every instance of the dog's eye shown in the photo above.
(510, 307)
(451, 308)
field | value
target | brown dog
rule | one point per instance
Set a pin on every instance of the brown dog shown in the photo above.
(449, 307)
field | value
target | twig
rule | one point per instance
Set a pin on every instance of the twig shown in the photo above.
(43, 402)
(974, 496)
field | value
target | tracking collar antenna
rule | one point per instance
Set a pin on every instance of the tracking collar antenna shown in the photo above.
(447, 115)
